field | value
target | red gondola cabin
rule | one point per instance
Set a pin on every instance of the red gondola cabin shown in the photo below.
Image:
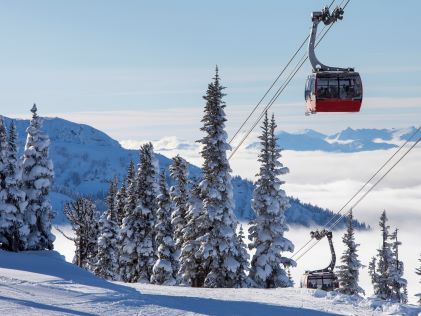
(333, 91)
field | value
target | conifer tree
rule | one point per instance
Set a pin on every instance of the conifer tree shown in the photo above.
(397, 282)
(120, 203)
(37, 179)
(164, 270)
(137, 233)
(83, 218)
(131, 174)
(418, 271)
(266, 232)
(13, 199)
(147, 186)
(380, 266)
(179, 196)
(107, 257)
(128, 238)
(348, 273)
(243, 258)
(191, 268)
(219, 245)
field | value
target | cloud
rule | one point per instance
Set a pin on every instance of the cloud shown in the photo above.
(392, 103)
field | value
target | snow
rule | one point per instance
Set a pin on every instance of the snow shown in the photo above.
(42, 283)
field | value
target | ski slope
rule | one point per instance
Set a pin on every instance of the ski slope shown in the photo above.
(43, 283)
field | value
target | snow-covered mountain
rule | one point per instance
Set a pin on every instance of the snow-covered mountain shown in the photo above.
(85, 159)
(346, 141)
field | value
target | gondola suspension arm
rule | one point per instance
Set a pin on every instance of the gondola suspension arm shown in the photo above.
(327, 18)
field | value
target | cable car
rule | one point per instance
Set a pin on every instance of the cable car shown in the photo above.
(330, 89)
(324, 279)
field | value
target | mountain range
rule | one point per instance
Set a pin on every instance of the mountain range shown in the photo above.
(347, 141)
(85, 159)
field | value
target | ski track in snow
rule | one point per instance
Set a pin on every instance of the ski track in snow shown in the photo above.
(42, 283)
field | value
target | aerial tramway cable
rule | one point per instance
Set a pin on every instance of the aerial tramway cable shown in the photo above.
(367, 192)
(362, 187)
(273, 83)
(281, 89)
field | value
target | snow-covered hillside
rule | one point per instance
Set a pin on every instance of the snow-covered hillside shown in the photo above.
(42, 283)
(85, 159)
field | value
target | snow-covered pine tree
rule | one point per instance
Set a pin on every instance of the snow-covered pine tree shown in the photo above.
(13, 199)
(165, 268)
(6, 219)
(396, 269)
(266, 232)
(137, 233)
(120, 202)
(147, 186)
(180, 198)
(37, 179)
(131, 175)
(219, 245)
(107, 257)
(83, 218)
(379, 266)
(348, 273)
(418, 271)
(127, 238)
(372, 272)
(243, 258)
(191, 269)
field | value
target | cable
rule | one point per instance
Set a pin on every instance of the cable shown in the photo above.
(366, 193)
(362, 188)
(278, 93)
(273, 83)
(270, 88)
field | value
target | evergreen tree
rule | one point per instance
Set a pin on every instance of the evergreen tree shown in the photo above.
(107, 257)
(379, 268)
(131, 175)
(396, 269)
(348, 274)
(266, 232)
(137, 233)
(120, 203)
(13, 233)
(372, 272)
(37, 179)
(131, 235)
(243, 258)
(83, 218)
(418, 271)
(219, 245)
(165, 268)
(179, 196)
(147, 186)
(191, 268)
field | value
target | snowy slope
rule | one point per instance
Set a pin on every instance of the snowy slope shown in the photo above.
(42, 283)
(85, 159)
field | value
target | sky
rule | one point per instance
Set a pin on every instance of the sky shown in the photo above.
(138, 69)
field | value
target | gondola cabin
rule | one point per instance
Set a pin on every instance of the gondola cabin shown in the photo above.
(334, 91)
(324, 280)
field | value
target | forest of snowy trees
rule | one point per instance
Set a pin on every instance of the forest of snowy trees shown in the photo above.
(185, 234)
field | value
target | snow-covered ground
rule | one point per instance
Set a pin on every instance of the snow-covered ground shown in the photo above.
(319, 256)
(42, 283)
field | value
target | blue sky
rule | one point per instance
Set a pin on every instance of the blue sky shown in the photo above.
(138, 69)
